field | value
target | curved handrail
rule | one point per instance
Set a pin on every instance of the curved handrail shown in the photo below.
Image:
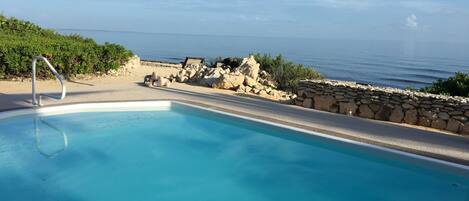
(38, 138)
(57, 75)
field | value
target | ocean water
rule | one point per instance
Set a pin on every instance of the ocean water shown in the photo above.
(187, 154)
(385, 63)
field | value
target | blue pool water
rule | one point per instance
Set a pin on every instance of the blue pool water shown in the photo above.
(189, 154)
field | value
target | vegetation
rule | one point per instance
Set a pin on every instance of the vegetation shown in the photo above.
(20, 41)
(286, 73)
(457, 85)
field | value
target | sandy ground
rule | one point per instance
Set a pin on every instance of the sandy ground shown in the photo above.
(16, 94)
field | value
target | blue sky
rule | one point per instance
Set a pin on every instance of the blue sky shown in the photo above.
(426, 20)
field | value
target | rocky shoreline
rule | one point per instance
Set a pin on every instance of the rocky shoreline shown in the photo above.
(247, 78)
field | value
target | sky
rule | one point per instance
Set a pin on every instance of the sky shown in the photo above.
(422, 20)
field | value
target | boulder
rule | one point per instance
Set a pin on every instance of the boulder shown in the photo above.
(396, 115)
(325, 103)
(249, 67)
(429, 114)
(348, 108)
(241, 89)
(465, 129)
(147, 80)
(248, 89)
(466, 113)
(425, 121)
(439, 124)
(249, 81)
(411, 117)
(308, 103)
(366, 112)
(211, 76)
(266, 79)
(443, 115)
(454, 125)
(373, 106)
(229, 81)
(162, 82)
(407, 106)
(383, 113)
(182, 78)
(263, 93)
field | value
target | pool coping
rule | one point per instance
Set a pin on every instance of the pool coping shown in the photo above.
(154, 105)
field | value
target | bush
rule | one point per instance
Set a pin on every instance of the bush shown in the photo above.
(286, 73)
(20, 41)
(457, 85)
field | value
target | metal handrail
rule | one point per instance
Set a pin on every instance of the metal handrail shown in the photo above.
(35, 101)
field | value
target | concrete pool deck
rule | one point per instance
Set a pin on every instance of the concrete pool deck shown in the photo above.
(436, 144)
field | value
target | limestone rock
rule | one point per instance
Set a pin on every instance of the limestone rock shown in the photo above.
(147, 80)
(241, 89)
(454, 125)
(263, 93)
(229, 81)
(366, 112)
(211, 76)
(460, 118)
(182, 79)
(308, 103)
(439, 124)
(248, 89)
(429, 114)
(255, 90)
(396, 115)
(375, 107)
(163, 82)
(348, 108)
(249, 67)
(424, 121)
(249, 81)
(407, 106)
(325, 103)
(465, 129)
(411, 117)
(383, 113)
(443, 115)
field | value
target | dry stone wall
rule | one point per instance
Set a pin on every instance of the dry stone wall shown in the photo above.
(386, 104)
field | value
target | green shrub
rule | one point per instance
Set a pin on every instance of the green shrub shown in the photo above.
(20, 41)
(286, 73)
(457, 85)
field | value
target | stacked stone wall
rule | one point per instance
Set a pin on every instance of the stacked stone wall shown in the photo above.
(386, 104)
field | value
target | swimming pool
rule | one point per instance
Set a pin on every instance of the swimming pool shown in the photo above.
(174, 151)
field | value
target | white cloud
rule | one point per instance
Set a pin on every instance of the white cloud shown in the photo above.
(411, 22)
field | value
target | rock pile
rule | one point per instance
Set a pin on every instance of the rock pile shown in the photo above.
(154, 80)
(386, 104)
(246, 78)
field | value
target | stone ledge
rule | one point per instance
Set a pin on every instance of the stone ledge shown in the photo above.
(387, 104)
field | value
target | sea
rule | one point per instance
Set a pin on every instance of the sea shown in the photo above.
(398, 64)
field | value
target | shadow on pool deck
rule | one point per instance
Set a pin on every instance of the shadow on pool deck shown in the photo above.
(22, 100)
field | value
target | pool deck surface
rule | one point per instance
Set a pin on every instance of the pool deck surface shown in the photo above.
(428, 142)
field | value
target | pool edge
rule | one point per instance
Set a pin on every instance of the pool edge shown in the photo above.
(154, 105)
